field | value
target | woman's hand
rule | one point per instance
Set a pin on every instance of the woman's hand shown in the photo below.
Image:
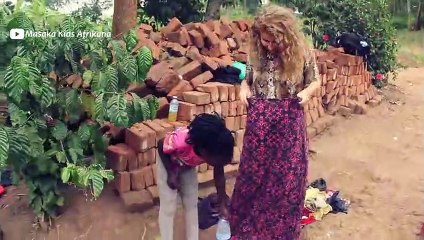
(245, 92)
(304, 96)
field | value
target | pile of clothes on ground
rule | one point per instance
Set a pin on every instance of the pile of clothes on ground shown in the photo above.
(320, 201)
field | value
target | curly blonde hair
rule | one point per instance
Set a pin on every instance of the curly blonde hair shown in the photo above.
(282, 24)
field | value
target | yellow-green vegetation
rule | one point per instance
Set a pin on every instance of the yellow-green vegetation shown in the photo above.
(411, 48)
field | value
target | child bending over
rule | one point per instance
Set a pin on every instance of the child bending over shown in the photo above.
(205, 140)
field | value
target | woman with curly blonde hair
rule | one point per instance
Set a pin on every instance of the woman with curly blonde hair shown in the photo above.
(268, 197)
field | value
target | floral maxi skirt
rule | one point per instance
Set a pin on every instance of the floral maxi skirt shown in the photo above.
(269, 193)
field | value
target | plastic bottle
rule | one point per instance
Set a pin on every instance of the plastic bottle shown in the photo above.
(173, 109)
(223, 230)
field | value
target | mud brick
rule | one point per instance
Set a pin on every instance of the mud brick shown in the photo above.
(319, 125)
(230, 123)
(231, 92)
(177, 37)
(314, 114)
(217, 108)
(210, 167)
(225, 108)
(345, 60)
(169, 80)
(322, 68)
(356, 80)
(173, 25)
(373, 103)
(155, 174)
(163, 108)
(213, 25)
(311, 132)
(331, 74)
(175, 49)
(240, 108)
(223, 62)
(137, 201)
(240, 57)
(242, 24)
(237, 34)
(156, 73)
(179, 124)
(140, 138)
(330, 86)
(232, 44)
(148, 176)
(181, 87)
(122, 182)
(225, 31)
(311, 104)
(146, 158)
(219, 50)
(117, 157)
(321, 111)
(323, 79)
(361, 108)
(308, 118)
(232, 109)
(315, 101)
(186, 111)
(223, 92)
(201, 79)
(166, 125)
(210, 88)
(194, 54)
(190, 71)
(154, 192)
(200, 109)
(226, 60)
(243, 121)
(210, 64)
(137, 180)
(198, 98)
(160, 131)
(197, 39)
(178, 62)
(237, 90)
(203, 167)
(237, 123)
(209, 108)
(345, 111)
(236, 156)
(239, 137)
(211, 38)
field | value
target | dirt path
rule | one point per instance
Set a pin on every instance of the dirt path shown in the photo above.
(376, 160)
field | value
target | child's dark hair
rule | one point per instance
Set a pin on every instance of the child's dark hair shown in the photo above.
(208, 132)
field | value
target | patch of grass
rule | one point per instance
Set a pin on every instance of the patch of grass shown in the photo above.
(236, 13)
(411, 48)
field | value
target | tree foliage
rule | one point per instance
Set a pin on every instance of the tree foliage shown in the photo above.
(60, 91)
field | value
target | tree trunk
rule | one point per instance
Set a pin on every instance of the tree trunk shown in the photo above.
(213, 9)
(419, 21)
(124, 17)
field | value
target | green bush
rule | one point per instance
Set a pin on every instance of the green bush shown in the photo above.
(370, 18)
(401, 22)
(185, 10)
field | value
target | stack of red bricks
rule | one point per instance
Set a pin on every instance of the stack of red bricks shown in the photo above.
(134, 162)
(186, 55)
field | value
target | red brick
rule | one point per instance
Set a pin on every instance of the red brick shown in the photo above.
(137, 201)
(146, 158)
(321, 110)
(168, 81)
(156, 73)
(122, 182)
(198, 98)
(223, 92)
(217, 107)
(211, 38)
(243, 121)
(201, 79)
(179, 124)
(139, 138)
(148, 176)
(210, 88)
(237, 91)
(308, 118)
(225, 31)
(345, 60)
(178, 62)
(239, 137)
(240, 108)
(209, 108)
(241, 57)
(232, 109)
(160, 131)
(197, 39)
(232, 44)
(175, 49)
(237, 34)
(225, 108)
(231, 92)
(117, 157)
(242, 24)
(190, 71)
(194, 54)
(154, 192)
(163, 108)
(137, 180)
(219, 50)
(200, 109)
(224, 61)
(155, 174)
(173, 25)
(181, 87)
(177, 37)
(203, 167)
(237, 123)
(186, 111)
(230, 123)
(166, 125)
(210, 64)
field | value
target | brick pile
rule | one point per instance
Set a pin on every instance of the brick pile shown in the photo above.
(186, 55)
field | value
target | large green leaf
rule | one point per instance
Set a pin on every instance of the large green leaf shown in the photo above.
(128, 67)
(144, 62)
(100, 108)
(4, 147)
(117, 110)
(60, 131)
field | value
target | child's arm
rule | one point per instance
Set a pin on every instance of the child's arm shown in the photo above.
(171, 170)
(219, 178)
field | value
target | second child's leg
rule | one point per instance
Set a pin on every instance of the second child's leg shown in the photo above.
(168, 204)
(189, 195)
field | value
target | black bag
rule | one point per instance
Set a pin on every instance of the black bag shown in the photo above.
(208, 214)
(353, 44)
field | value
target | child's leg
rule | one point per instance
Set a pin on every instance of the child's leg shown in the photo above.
(189, 195)
(168, 203)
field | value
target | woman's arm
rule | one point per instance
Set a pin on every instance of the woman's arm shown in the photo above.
(219, 178)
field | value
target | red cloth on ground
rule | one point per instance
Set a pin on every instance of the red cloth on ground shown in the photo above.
(2, 190)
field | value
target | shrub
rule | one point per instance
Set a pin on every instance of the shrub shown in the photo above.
(370, 18)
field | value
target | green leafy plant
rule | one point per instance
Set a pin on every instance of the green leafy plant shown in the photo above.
(368, 18)
(60, 91)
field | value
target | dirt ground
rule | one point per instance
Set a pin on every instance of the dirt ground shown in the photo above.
(375, 160)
